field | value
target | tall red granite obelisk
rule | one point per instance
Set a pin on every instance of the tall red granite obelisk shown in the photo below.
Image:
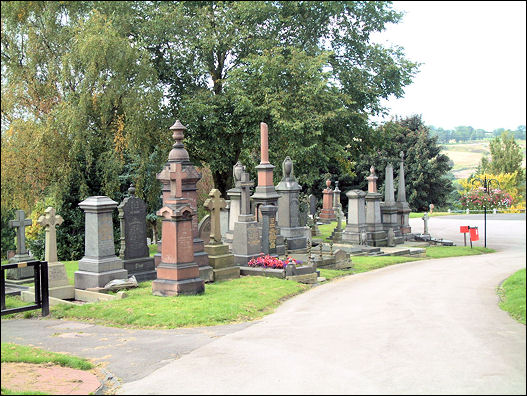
(178, 154)
(265, 193)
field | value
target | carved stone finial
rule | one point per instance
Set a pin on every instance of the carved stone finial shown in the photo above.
(328, 183)
(131, 190)
(287, 168)
(401, 154)
(372, 171)
(178, 152)
(237, 171)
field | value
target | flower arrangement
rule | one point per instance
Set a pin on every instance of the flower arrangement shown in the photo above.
(267, 261)
(478, 199)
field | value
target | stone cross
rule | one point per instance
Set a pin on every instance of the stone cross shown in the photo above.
(245, 185)
(20, 224)
(49, 221)
(214, 204)
(176, 179)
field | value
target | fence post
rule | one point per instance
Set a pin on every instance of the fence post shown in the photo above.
(44, 288)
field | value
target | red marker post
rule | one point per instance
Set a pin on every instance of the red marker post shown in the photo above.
(474, 235)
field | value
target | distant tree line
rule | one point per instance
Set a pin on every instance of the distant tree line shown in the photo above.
(467, 133)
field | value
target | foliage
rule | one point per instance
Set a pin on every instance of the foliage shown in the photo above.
(28, 354)
(506, 156)
(8, 233)
(512, 295)
(425, 168)
(468, 133)
(506, 184)
(307, 69)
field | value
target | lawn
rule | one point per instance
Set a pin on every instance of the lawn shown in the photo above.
(512, 295)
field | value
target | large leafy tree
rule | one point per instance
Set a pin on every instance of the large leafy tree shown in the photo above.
(80, 110)
(426, 169)
(308, 69)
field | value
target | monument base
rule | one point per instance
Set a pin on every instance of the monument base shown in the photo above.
(24, 274)
(296, 237)
(142, 268)
(85, 279)
(168, 287)
(206, 273)
(327, 216)
(377, 238)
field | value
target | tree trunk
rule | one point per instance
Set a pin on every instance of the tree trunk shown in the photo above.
(223, 183)
(154, 233)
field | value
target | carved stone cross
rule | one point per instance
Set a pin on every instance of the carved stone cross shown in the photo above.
(49, 221)
(245, 185)
(20, 224)
(214, 204)
(176, 179)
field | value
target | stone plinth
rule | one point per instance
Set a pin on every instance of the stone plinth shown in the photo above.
(177, 273)
(356, 217)
(389, 208)
(288, 208)
(403, 209)
(269, 229)
(234, 195)
(134, 250)
(99, 265)
(327, 214)
(222, 262)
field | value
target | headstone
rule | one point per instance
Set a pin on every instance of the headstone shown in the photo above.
(191, 176)
(99, 265)
(403, 209)
(234, 196)
(23, 274)
(134, 249)
(312, 204)
(265, 193)
(247, 234)
(391, 237)
(58, 284)
(425, 223)
(204, 229)
(289, 209)
(327, 214)
(336, 235)
(389, 207)
(177, 273)
(376, 233)
(356, 217)
(220, 259)
(268, 229)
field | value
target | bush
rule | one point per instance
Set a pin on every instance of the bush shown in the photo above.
(479, 199)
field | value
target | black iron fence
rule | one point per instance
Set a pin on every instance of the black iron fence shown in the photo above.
(41, 287)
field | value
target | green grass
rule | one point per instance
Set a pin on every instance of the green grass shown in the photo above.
(6, 391)
(327, 229)
(512, 295)
(27, 354)
(152, 249)
(238, 300)
(415, 215)
(368, 263)
(454, 251)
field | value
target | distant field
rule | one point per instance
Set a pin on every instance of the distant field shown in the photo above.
(466, 156)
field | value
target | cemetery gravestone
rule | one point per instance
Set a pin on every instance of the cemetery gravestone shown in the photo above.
(356, 217)
(389, 207)
(58, 284)
(374, 228)
(204, 229)
(24, 274)
(246, 242)
(403, 208)
(234, 196)
(288, 208)
(134, 250)
(327, 214)
(220, 259)
(99, 265)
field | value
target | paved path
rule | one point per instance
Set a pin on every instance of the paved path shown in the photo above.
(416, 328)
(422, 327)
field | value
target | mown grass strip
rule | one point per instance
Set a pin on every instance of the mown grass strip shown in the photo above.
(6, 391)
(27, 354)
(512, 295)
(238, 300)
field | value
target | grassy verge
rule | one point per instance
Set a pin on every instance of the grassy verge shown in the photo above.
(512, 295)
(27, 354)
(152, 249)
(454, 251)
(237, 300)
(6, 391)
(327, 229)
(415, 215)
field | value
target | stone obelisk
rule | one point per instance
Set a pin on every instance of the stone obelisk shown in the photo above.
(376, 236)
(403, 209)
(389, 208)
(265, 193)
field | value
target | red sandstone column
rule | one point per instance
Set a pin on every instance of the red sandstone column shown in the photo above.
(327, 214)
(372, 181)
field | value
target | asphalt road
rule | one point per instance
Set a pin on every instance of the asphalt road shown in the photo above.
(426, 327)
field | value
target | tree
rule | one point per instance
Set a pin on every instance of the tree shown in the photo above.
(426, 169)
(80, 111)
(308, 69)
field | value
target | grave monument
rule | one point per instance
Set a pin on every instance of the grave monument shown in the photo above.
(403, 209)
(389, 207)
(288, 208)
(220, 259)
(99, 265)
(134, 251)
(22, 274)
(375, 232)
(234, 196)
(327, 214)
(356, 217)
(179, 154)
(58, 284)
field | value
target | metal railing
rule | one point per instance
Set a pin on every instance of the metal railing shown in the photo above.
(41, 287)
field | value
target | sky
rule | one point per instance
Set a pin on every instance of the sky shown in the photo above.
(473, 56)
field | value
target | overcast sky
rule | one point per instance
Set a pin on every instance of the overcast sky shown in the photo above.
(473, 56)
